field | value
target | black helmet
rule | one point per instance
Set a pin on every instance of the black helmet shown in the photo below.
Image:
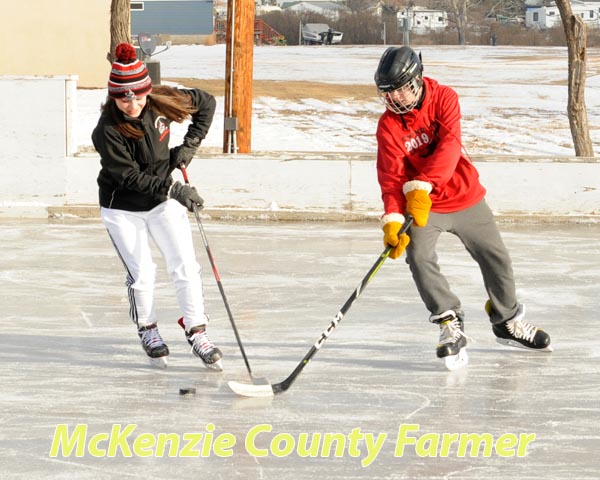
(399, 67)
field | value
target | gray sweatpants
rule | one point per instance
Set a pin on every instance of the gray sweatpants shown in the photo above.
(477, 230)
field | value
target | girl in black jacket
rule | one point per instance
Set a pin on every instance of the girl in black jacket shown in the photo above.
(139, 200)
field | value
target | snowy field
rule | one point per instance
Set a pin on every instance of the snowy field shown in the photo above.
(513, 98)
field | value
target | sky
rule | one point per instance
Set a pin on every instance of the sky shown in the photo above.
(513, 99)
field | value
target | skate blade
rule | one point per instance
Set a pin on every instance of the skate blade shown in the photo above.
(454, 362)
(511, 343)
(158, 362)
(215, 367)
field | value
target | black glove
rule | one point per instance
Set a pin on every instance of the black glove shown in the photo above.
(186, 195)
(184, 152)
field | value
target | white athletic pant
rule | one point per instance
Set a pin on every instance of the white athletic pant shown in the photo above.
(169, 227)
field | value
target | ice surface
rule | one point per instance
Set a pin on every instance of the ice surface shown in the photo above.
(71, 356)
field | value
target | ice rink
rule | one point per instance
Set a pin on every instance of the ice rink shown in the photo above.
(78, 399)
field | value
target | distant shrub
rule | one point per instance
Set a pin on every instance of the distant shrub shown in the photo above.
(365, 28)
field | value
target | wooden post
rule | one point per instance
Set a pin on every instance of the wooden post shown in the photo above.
(238, 76)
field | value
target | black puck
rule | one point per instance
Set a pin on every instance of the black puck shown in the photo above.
(187, 391)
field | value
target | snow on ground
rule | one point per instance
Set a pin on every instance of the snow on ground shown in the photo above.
(513, 99)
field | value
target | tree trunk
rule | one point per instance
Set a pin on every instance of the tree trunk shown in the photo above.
(119, 26)
(575, 32)
(460, 8)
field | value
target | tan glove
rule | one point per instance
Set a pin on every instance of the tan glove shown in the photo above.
(418, 202)
(391, 225)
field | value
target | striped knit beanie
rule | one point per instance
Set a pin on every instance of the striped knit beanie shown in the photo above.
(129, 77)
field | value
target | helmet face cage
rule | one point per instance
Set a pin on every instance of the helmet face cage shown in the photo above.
(399, 79)
(403, 99)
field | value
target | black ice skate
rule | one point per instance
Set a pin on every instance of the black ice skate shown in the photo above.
(453, 342)
(202, 347)
(518, 333)
(153, 345)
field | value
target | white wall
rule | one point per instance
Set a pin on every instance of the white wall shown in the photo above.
(35, 142)
(40, 173)
(321, 183)
(423, 20)
(549, 17)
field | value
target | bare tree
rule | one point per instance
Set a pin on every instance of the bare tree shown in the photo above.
(465, 12)
(458, 14)
(119, 26)
(486, 8)
(459, 9)
(360, 6)
(506, 8)
(359, 28)
(576, 34)
(394, 30)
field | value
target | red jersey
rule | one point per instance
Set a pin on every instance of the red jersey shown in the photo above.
(424, 144)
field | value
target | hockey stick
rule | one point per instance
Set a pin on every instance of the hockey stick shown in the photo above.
(247, 390)
(259, 381)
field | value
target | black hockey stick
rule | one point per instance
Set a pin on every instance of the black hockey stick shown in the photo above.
(259, 381)
(247, 390)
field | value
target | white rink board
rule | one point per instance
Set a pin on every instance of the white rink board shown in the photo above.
(36, 137)
(561, 187)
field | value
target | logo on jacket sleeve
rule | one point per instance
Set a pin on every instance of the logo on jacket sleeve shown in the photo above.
(162, 125)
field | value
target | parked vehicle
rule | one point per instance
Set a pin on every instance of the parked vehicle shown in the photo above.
(320, 34)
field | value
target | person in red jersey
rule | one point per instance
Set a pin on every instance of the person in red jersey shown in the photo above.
(424, 171)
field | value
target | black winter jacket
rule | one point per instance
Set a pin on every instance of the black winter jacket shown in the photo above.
(136, 174)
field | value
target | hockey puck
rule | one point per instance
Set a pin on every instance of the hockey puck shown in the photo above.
(187, 391)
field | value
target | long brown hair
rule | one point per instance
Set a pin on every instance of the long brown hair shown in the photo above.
(168, 101)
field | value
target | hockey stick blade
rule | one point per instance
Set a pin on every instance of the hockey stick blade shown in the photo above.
(247, 390)
(251, 390)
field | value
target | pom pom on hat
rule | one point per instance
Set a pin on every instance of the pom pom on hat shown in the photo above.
(125, 53)
(129, 76)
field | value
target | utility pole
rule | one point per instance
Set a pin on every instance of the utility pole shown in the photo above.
(238, 76)
(406, 26)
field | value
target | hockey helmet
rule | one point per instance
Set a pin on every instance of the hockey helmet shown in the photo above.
(399, 79)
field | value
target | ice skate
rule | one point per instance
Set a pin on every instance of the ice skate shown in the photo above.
(516, 332)
(453, 342)
(202, 347)
(153, 345)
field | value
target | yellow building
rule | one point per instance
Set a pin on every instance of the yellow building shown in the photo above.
(56, 37)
